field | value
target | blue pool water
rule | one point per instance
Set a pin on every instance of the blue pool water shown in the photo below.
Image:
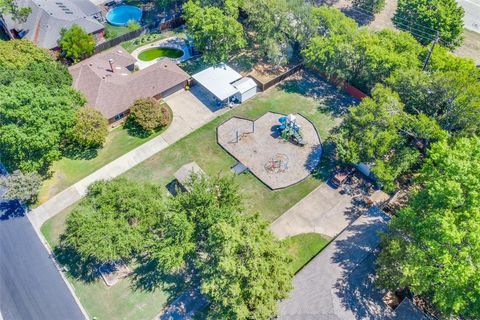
(121, 15)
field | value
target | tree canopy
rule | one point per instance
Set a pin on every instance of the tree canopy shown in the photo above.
(379, 132)
(425, 17)
(37, 106)
(21, 186)
(149, 114)
(110, 223)
(360, 56)
(11, 7)
(90, 129)
(17, 54)
(242, 269)
(34, 120)
(451, 98)
(216, 33)
(432, 246)
(75, 43)
(245, 271)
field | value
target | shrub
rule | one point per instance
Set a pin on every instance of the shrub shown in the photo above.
(374, 6)
(133, 25)
(21, 186)
(149, 114)
(90, 129)
(75, 43)
(110, 34)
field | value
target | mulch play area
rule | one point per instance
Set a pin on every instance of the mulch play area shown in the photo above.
(258, 145)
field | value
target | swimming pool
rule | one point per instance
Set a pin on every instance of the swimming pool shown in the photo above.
(121, 15)
(154, 53)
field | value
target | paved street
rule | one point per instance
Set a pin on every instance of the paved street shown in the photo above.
(30, 286)
(472, 14)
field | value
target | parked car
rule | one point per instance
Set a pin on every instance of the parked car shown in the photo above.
(340, 176)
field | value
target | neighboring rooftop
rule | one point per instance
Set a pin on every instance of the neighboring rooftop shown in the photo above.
(48, 17)
(113, 91)
(338, 284)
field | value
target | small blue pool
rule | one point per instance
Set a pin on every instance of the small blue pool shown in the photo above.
(121, 15)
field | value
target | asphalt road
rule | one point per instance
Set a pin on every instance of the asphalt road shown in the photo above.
(472, 14)
(30, 286)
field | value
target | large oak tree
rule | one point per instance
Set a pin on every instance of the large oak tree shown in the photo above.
(433, 245)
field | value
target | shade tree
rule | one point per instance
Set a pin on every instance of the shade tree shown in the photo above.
(34, 120)
(426, 17)
(380, 133)
(149, 114)
(451, 98)
(21, 186)
(432, 246)
(216, 34)
(362, 57)
(76, 43)
(119, 219)
(90, 128)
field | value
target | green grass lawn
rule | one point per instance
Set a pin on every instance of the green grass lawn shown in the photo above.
(154, 53)
(304, 247)
(201, 146)
(67, 171)
(112, 31)
(120, 301)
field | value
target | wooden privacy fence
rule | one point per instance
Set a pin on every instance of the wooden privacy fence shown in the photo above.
(158, 25)
(116, 41)
(347, 87)
(265, 85)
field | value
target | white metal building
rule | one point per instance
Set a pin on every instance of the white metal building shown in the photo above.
(226, 84)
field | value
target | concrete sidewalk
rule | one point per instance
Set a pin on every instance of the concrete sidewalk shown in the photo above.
(186, 119)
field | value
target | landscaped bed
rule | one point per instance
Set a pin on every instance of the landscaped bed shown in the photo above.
(201, 146)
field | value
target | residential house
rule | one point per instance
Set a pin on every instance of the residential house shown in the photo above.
(111, 85)
(48, 17)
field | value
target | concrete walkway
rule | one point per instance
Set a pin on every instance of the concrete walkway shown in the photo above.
(186, 119)
(323, 211)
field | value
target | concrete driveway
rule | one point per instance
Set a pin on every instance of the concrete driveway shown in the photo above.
(189, 113)
(325, 210)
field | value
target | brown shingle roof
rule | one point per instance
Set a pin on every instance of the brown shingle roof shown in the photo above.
(114, 92)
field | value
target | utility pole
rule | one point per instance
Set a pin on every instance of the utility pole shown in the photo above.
(427, 59)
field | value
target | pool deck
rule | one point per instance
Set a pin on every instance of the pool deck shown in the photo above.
(173, 42)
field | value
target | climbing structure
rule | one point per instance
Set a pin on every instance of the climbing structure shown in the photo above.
(290, 130)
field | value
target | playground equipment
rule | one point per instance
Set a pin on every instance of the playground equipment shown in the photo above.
(290, 130)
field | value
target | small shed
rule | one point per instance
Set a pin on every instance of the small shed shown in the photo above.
(183, 174)
(246, 87)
